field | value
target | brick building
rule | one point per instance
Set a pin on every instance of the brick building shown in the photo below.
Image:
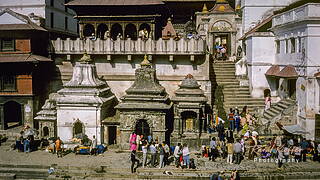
(24, 68)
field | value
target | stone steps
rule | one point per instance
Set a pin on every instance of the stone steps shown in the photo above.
(223, 74)
(25, 171)
(277, 109)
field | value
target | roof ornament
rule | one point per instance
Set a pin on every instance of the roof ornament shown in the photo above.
(145, 62)
(85, 59)
(204, 9)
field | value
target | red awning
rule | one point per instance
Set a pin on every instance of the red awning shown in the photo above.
(288, 72)
(273, 70)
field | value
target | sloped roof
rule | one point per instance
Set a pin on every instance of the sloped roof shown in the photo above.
(273, 70)
(5, 58)
(113, 2)
(317, 75)
(29, 25)
(288, 72)
(256, 28)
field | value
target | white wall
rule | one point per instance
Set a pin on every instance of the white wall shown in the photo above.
(43, 9)
(260, 56)
(253, 10)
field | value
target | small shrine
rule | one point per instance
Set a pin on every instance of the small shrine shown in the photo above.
(83, 103)
(145, 106)
(189, 108)
(47, 118)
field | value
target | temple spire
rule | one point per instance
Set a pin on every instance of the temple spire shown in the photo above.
(145, 61)
(204, 9)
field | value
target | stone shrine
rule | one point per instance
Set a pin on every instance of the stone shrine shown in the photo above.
(83, 103)
(189, 109)
(47, 118)
(145, 107)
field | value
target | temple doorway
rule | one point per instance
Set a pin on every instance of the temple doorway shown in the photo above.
(45, 131)
(12, 115)
(78, 128)
(112, 135)
(188, 119)
(142, 127)
(222, 41)
(292, 88)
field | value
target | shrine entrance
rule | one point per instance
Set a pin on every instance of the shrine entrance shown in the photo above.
(12, 114)
(189, 121)
(142, 127)
(222, 45)
(78, 128)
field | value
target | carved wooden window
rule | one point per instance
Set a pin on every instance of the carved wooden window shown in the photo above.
(8, 83)
(7, 45)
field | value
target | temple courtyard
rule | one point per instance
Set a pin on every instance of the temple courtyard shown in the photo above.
(115, 164)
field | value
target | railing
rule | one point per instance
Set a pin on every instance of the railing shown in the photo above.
(128, 46)
(310, 10)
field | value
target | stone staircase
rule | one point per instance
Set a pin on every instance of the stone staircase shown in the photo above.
(278, 108)
(17, 171)
(232, 95)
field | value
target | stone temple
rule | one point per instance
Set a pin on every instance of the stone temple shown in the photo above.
(146, 106)
(83, 103)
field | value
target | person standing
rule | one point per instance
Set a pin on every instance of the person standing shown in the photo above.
(26, 145)
(133, 141)
(94, 146)
(230, 151)
(186, 155)
(237, 150)
(213, 149)
(153, 151)
(267, 102)
(231, 119)
(304, 145)
(133, 161)
(144, 148)
(58, 144)
(280, 157)
(166, 153)
(177, 153)
(220, 130)
(161, 154)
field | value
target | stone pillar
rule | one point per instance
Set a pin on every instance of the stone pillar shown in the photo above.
(152, 31)
(2, 116)
(81, 26)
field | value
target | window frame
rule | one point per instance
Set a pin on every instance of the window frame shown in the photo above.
(293, 45)
(4, 86)
(278, 46)
(12, 48)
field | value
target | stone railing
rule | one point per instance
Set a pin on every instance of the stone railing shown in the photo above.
(308, 11)
(130, 47)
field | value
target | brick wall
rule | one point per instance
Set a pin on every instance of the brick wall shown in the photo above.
(23, 45)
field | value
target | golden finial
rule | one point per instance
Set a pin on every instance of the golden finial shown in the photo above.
(221, 1)
(145, 61)
(204, 9)
(85, 58)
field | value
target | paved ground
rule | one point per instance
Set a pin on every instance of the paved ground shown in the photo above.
(120, 160)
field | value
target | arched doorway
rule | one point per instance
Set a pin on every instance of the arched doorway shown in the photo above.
(144, 27)
(88, 30)
(78, 128)
(131, 31)
(142, 127)
(101, 31)
(189, 121)
(45, 131)
(12, 114)
(116, 31)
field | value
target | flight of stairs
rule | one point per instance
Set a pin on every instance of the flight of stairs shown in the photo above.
(278, 108)
(233, 95)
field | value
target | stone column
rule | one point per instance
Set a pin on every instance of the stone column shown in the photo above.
(152, 31)
(2, 116)
(81, 26)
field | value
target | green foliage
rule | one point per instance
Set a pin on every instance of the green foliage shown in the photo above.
(219, 99)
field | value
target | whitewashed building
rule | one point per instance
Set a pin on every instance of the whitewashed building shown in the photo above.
(281, 53)
(50, 14)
